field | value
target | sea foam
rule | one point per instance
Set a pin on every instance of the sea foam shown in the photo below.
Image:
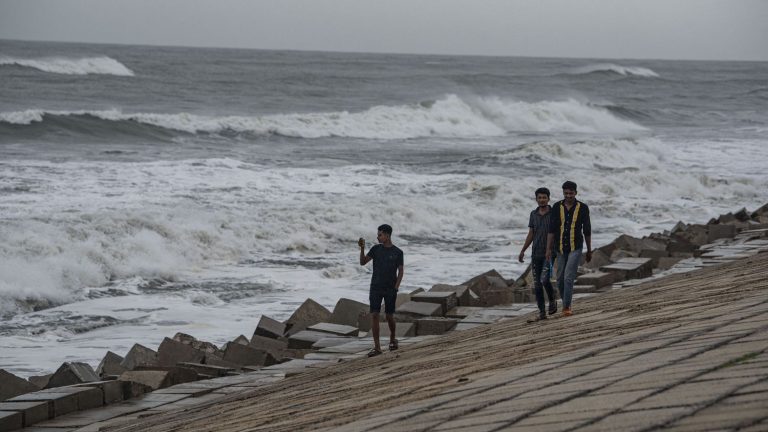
(71, 66)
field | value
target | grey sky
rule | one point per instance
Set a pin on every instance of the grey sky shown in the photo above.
(668, 29)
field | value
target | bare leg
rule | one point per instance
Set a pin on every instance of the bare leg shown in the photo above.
(391, 322)
(375, 330)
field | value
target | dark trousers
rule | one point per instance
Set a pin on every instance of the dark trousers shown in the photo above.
(541, 279)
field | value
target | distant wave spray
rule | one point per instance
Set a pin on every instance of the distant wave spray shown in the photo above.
(71, 66)
(616, 69)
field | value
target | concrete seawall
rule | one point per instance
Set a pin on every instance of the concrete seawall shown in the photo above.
(685, 352)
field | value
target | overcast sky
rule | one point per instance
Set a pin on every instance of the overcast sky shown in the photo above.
(666, 29)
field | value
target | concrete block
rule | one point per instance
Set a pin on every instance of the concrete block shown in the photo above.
(695, 234)
(139, 355)
(272, 346)
(402, 329)
(207, 369)
(110, 365)
(679, 244)
(597, 279)
(414, 310)
(89, 397)
(463, 297)
(497, 297)
(599, 259)
(435, 325)
(401, 299)
(719, 231)
(39, 381)
(462, 311)
(11, 420)
(112, 390)
(618, 254)
(204, 346)
(479, 280)
(585, 289)
(58, 403)
(331, 341)
(346, 312)
(310, 312)
(630, 268)
(72, 373)
(334, 329)
(245, 355)
(31, 412)
(305, 339)
(446, 299)
(628, 243)
(154, 379)
(667, 262)
(171, 352)
(270, 328)
(242, 340)
(133, 389)
(491, 288)
(654, 255)
(11, 385)
(177, 374)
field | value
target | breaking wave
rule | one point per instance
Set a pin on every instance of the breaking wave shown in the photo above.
(451, 116)
(71, 66)
(615, 69)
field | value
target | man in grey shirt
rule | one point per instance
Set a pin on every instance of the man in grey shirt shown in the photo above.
(538, 228)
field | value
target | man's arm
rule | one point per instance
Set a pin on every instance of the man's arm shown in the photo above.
(363, 257)
(554, 227)
(399, 277)
(587, 230)
(550, 242)
(528, 241)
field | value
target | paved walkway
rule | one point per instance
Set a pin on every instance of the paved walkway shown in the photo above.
(687, 353)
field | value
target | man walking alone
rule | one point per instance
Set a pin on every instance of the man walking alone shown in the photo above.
(385, 281)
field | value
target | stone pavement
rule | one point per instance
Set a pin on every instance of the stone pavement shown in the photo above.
(687, 352)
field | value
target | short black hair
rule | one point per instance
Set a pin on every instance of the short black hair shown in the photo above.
(542, 190)
(386, 229)
(569, 185)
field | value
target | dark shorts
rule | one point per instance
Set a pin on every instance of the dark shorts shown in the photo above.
(389, 302)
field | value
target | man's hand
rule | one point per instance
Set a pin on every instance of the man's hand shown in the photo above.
(522, 255)
(361, 243)
(548, 255)
(588, 258)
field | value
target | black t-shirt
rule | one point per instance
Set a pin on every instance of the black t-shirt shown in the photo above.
(386, 260)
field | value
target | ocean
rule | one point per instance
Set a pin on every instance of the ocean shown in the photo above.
(150, 190)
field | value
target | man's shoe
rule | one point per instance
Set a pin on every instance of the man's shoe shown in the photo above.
(567, 311)
(542, 316)
(552, 308)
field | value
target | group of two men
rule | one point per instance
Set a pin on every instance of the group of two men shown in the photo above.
(555, 231)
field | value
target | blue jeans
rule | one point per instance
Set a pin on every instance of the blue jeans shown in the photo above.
(567, 264)
(541, 275)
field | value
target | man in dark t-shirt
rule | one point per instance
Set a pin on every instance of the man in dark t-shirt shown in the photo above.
(538, 229)
(385, 281)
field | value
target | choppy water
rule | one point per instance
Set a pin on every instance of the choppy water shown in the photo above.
(146, 190)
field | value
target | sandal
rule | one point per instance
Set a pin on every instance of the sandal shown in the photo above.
(374, 352)
(393, 345)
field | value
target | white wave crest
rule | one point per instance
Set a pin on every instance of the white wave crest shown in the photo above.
(618, 69)
(450, 116)
(71, 66)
